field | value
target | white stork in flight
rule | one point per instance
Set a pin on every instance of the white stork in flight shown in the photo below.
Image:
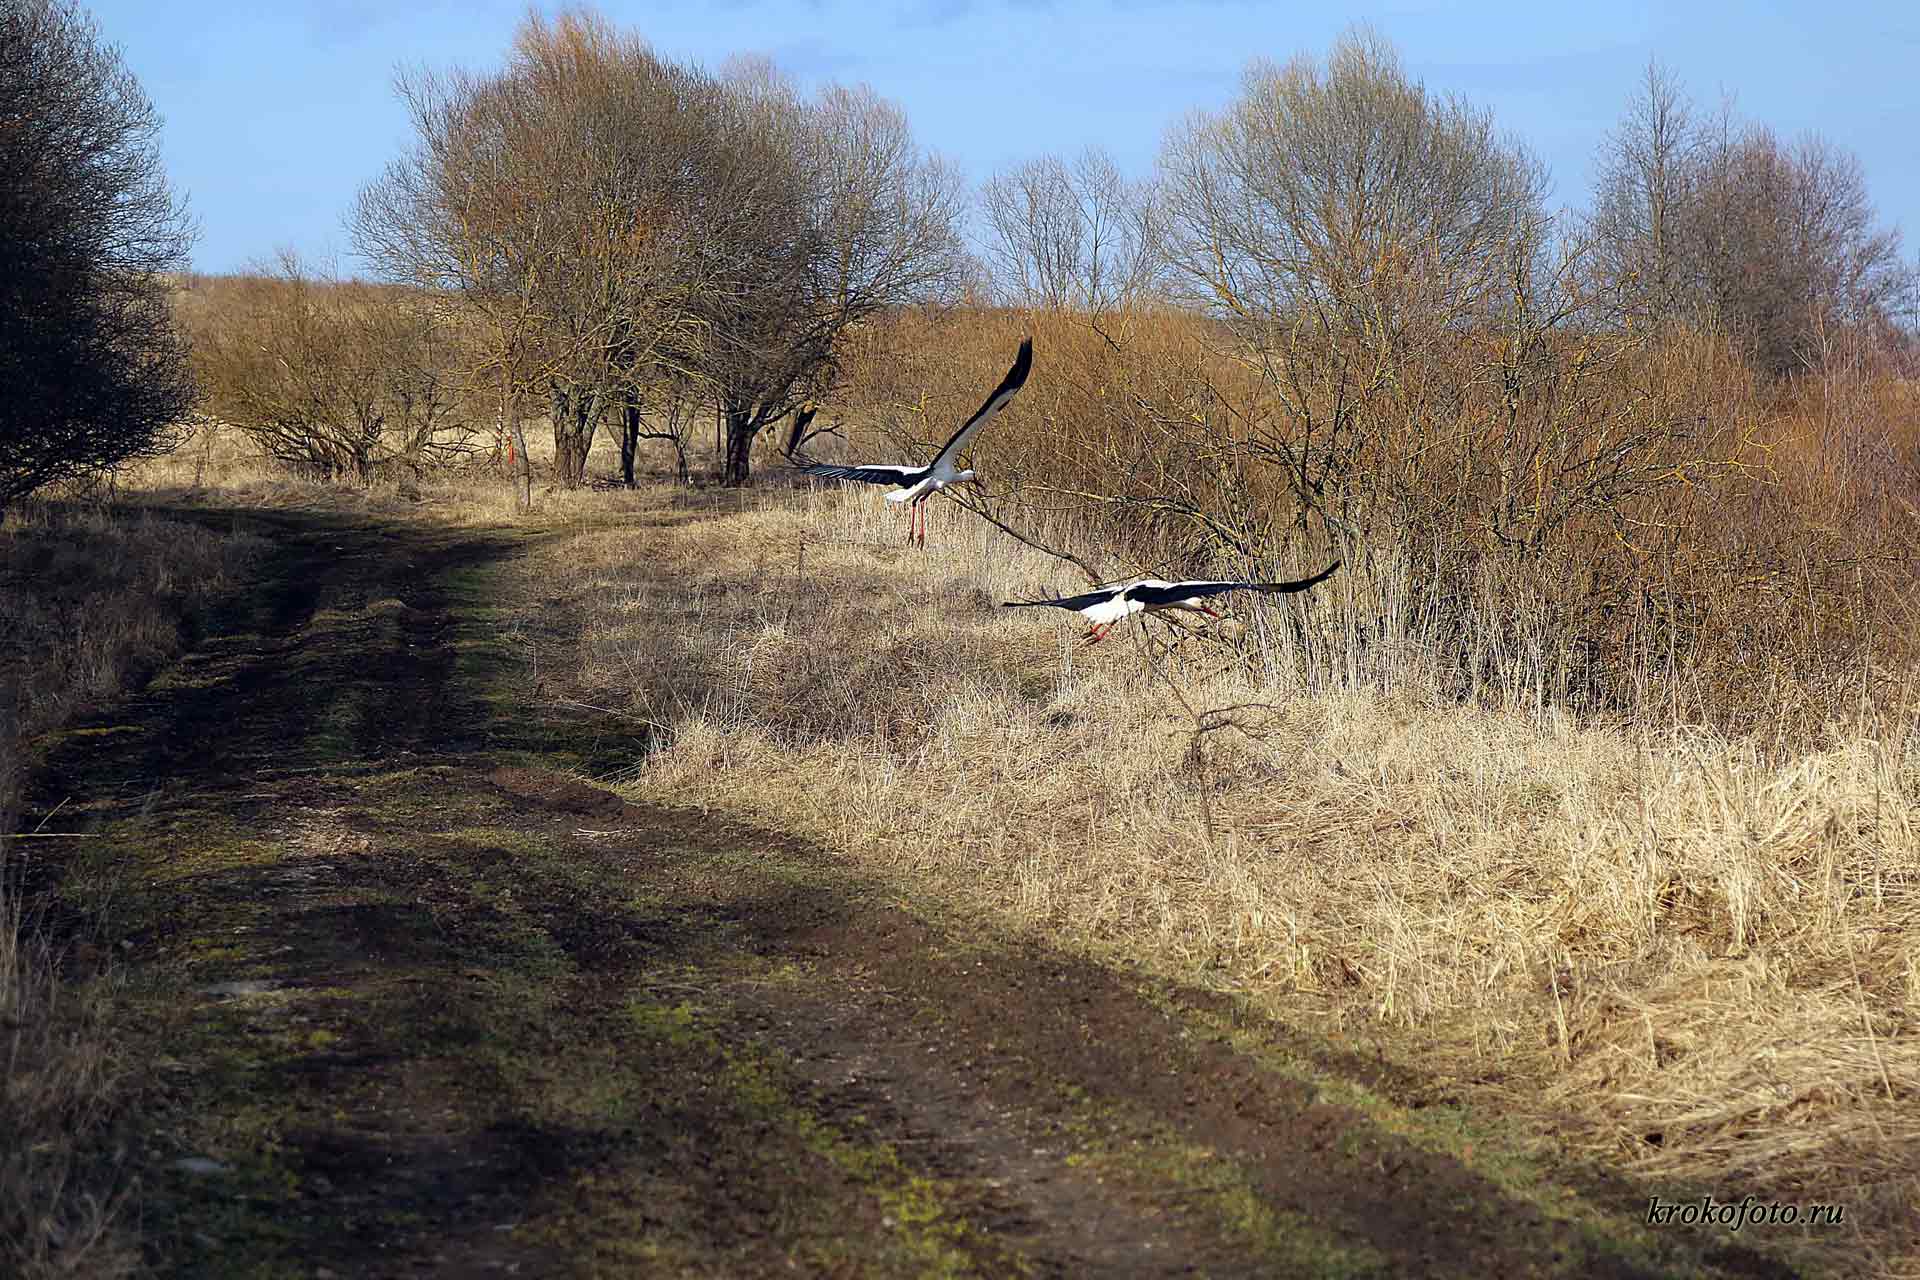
(914, 485)
(1109, 605)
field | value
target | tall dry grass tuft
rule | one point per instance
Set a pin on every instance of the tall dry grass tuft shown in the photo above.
(1702, 949)
(60, 1198)
(89, 599)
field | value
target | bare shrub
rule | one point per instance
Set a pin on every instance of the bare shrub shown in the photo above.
(337, 379)
(1753, 594)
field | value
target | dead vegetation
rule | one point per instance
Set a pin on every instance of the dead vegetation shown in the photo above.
(336, 379)
(94, 599)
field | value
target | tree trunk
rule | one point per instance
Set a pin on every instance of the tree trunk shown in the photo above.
(560, 415)
(740, 434)
(525, 469)
(573, 424)
(629, 440)
(362, 460)
(513, 445)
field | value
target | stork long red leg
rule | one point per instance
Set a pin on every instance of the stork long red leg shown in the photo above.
(1099, 633)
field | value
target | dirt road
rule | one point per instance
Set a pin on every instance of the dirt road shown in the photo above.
(402, 998)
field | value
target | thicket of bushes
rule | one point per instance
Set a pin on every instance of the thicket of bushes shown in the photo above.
(334, 379)
(1759, 575)
(1659, 457)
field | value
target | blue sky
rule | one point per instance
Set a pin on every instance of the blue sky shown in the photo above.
(277, 113)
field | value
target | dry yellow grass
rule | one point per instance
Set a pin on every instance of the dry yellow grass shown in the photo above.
(87, 595)
(1746, 589)
(218, 466)
(1704, 951)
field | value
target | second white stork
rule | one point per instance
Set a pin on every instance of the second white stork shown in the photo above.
(1108, 605)
(914, 485)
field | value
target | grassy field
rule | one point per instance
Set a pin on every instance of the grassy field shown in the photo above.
(1557, 965)
(406, 994)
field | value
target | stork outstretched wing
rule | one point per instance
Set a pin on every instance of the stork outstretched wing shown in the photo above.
(1174, 592)
(1008, 388)
(870, 474)
(1076, 603)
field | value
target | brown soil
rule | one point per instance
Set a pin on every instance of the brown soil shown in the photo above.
(433, 1005)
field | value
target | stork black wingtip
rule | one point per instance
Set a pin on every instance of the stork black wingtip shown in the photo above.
(1316, 579)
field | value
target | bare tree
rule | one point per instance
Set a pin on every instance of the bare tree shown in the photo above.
(94, 371)
(633, 229)
(1070, 235)
(1644, 194)
(1038, 236)
(855, 218)
(560, 200)
(1347, 227)
(1719, 223)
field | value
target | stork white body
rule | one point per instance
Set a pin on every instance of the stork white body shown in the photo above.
(1105, 606)
(914, 485)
